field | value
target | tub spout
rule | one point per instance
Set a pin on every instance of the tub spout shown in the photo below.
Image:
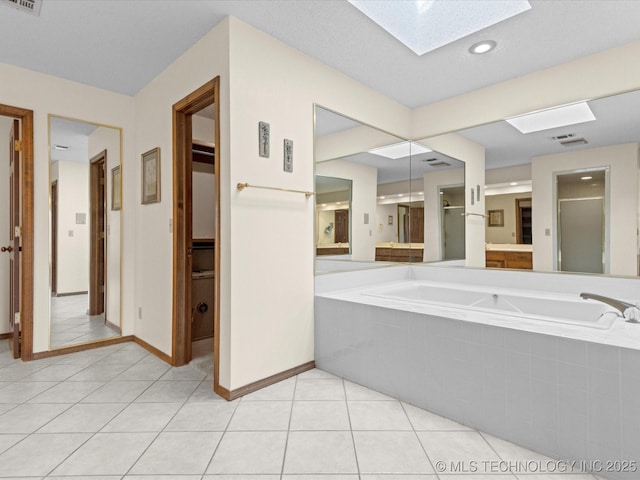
(630, 312)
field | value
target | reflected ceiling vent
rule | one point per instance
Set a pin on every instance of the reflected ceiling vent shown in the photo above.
(574, 142)
(29, 6)
(564, 137)
(429, 160)
(439, 164)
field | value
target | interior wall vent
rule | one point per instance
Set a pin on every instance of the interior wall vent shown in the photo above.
(29, 6)
(574, 142)
(440, 164)
(429, 160)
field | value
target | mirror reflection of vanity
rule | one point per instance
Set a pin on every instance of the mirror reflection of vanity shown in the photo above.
(85, 231)
(406, 202)
(545, 192)
(576, 186)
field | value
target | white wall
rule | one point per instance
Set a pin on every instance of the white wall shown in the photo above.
(203, 191)
(433, 181)
(73, 238)
(203, 182)
(277, 84)
(363, 201)
(45, 94)
(106, 138)
(506, 202)
(208, 58)
(384, 232)
(622, 209)
(5, 129)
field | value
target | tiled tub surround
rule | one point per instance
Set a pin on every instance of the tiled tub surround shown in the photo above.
(569, 398)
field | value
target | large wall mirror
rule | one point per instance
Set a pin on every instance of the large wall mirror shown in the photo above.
(392, 200)
(85, 181)
(565, 198)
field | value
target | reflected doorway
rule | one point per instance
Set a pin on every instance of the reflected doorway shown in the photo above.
(453, 222)
(581, 215)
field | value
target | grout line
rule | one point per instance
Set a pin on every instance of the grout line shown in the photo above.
(415, 432)
(286, 441)
(353, 440)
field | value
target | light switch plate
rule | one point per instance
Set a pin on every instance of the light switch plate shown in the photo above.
(264, 131)
(288, 155)
(366, 219)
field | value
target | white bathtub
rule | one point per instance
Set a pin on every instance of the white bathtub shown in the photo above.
(504, 302)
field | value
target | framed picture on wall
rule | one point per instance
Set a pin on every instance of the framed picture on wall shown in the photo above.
(116, 189)
(151, 176)
(496, 218)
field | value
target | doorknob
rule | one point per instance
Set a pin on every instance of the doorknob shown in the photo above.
(7, 249)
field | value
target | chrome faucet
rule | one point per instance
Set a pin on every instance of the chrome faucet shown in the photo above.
(629, 311)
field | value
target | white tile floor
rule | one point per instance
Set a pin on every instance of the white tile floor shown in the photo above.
(71, 325)
(118, 412)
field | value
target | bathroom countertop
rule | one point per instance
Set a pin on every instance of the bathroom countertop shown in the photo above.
(508, 247)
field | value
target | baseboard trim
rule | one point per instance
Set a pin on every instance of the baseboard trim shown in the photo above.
(4, 336)
(265, 382)
(113, 326)
(81, 347)
(151, 349)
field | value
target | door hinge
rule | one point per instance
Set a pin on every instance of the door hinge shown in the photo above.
(16, 318)
(17, 231)
(17, 145)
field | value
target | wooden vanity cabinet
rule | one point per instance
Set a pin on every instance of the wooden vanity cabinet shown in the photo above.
(505, 259)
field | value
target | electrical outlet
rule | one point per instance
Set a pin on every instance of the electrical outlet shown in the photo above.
(547, 232)
(171, 225)
(140, 313)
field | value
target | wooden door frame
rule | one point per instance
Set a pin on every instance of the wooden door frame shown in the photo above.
(26, 255)
(97, 300)
(54, 237)
(207, 94)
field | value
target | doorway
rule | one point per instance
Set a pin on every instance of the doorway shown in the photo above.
(183, 244)
(581, 217)
(19, 245)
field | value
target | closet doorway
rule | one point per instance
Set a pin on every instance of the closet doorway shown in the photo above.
(196, 259)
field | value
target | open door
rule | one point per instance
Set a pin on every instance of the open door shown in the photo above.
(14, 238)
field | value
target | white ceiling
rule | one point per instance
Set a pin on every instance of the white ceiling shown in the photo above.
(122, 45)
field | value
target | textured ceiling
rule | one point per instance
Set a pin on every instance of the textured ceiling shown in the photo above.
(122, 45)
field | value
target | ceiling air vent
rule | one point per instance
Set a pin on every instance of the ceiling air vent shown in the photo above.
(574, 142)
(440, 164)
(29, 6)
(564, 137)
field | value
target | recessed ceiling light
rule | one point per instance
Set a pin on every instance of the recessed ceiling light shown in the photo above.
(382, 198)
(553, 118)
(323, 205)
(482, 47)
(441, 193)
(400, 195)
(586, 178)
(400, 150)
(61, 147)
(424, 25)
(513, 184)
(420, 193)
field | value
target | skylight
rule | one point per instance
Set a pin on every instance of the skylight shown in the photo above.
(424, 25)
(400, 150)
(553, 118)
